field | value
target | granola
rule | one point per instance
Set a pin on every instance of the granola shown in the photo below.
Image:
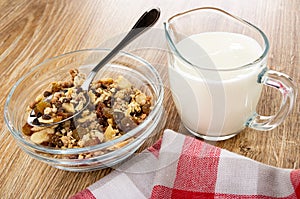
(115, 108)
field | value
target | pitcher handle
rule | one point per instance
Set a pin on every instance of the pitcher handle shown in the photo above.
(287, 88)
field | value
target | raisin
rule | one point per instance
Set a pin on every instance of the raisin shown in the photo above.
(46, 117)
(136, 113)
(66, 100)
(45, 143)
(67, 84)
(102, 121)
(60, 110)
(56, 141)
(103, 86)
(47, 93)
(59, 128)
(50, 144)
(36, 122)
(107, 102)
(72, 125)
(79, 90)
(58, 104)
(73, 156)
(96, 93)
(99, 112)
(26, 129)
(39, 114)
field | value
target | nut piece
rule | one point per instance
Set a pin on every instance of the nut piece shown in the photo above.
(41, 136)
(42, 120)
(38, 128)
(86, 118)
(79, 79)
(109, 133)
(141, 98)
(69, 107)
(123, 83)
(120, 144)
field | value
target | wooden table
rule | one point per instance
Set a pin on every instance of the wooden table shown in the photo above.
(31, 31)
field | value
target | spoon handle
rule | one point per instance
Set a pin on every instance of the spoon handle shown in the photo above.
(147, 20)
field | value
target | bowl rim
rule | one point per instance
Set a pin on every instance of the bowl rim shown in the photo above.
(19, 135)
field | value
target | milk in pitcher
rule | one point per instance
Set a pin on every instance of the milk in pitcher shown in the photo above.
(212, 97)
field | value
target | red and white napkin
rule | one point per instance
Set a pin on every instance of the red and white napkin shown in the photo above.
(180, 166)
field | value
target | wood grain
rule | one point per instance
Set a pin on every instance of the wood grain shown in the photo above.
(31, 31)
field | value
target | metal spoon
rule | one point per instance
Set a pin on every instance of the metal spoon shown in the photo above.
(148, 19)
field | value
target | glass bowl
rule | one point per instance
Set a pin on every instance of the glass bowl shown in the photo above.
(138, 71)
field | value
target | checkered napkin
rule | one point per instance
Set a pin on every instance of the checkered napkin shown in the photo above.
(179, 166)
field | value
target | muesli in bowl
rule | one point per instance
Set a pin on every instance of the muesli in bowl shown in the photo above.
(125, 108)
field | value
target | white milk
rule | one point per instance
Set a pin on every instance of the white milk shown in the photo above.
(216, 103)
